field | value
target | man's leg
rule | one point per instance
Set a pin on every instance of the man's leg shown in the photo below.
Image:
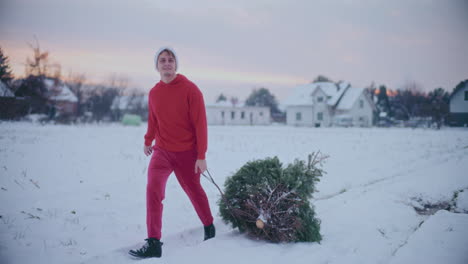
(190, 182)
(159, 170)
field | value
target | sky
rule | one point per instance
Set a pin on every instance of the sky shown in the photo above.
(233, 47)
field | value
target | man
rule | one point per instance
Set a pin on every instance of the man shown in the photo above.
(177, 121)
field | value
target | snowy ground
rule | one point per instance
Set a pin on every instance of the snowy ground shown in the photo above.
(76, 194)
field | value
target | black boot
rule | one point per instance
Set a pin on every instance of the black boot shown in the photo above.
(152, 249)
(210, 232)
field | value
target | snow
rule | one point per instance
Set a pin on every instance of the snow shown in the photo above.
(349, 98)
(448, 232)
(76, 194)
(302, 95)
(462, 202)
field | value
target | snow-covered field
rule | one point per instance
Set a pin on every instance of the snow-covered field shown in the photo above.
(76, 194)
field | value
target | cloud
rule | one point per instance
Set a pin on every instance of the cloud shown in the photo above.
(254, 41)
(220, 74)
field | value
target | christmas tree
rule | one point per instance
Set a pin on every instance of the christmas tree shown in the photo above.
(270, 202)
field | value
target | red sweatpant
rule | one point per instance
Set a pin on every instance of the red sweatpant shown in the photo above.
(162, 164)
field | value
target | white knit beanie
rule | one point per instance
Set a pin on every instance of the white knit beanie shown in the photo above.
(160, 51)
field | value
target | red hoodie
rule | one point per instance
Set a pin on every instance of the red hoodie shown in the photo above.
(177, 117)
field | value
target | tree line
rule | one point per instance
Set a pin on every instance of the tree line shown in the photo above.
(410, 103)
(94, 103)
(407, 103)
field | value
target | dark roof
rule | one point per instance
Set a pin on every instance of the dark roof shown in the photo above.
(460, 86)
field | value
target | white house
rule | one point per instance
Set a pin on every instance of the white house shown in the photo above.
(459, 105)
(61, 95)
(5, 91)
(325, 104)
(227, 113)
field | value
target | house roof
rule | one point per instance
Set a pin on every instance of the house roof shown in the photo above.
(349, 98)
(459, 87)
(5, 91)
(59, 91)
(302, 94)
(228, 103)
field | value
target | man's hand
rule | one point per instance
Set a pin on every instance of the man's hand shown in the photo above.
(148, 150)
(200, 166)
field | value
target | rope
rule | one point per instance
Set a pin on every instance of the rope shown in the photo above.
(231, 210)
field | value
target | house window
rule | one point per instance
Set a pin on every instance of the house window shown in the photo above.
(320, 116)
(233, 115)
(298, 116)
(261, 113)
(222, 114)
(320, 99)
(361, 103)
(466, 95)
(242, 115)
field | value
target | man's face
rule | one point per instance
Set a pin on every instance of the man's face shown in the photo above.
(166, 64)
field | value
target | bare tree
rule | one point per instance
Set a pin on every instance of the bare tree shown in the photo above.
(409, 101)
(76, 83)
(439, 101)
(119, 84)
(102, 97)
(39, 64)
(137, 104)
(371, 89)
(413, 87)
(100, 101)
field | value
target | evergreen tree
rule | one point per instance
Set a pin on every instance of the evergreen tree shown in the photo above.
(263, 97)
(439, 101)
(272, 203)
(221, 97)
(5, 72)
(322, 78)
(33, 87)
(383, 104)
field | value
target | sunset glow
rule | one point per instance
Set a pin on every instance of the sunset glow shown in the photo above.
(247, 44)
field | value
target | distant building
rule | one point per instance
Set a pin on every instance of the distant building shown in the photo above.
(329, 104)
(5, 91)
(61, 96)
(10, 107)
(227, 113)
(459, 105)
(130, 104)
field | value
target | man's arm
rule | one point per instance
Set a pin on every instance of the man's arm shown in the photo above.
(198, 118)
(150, 131)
